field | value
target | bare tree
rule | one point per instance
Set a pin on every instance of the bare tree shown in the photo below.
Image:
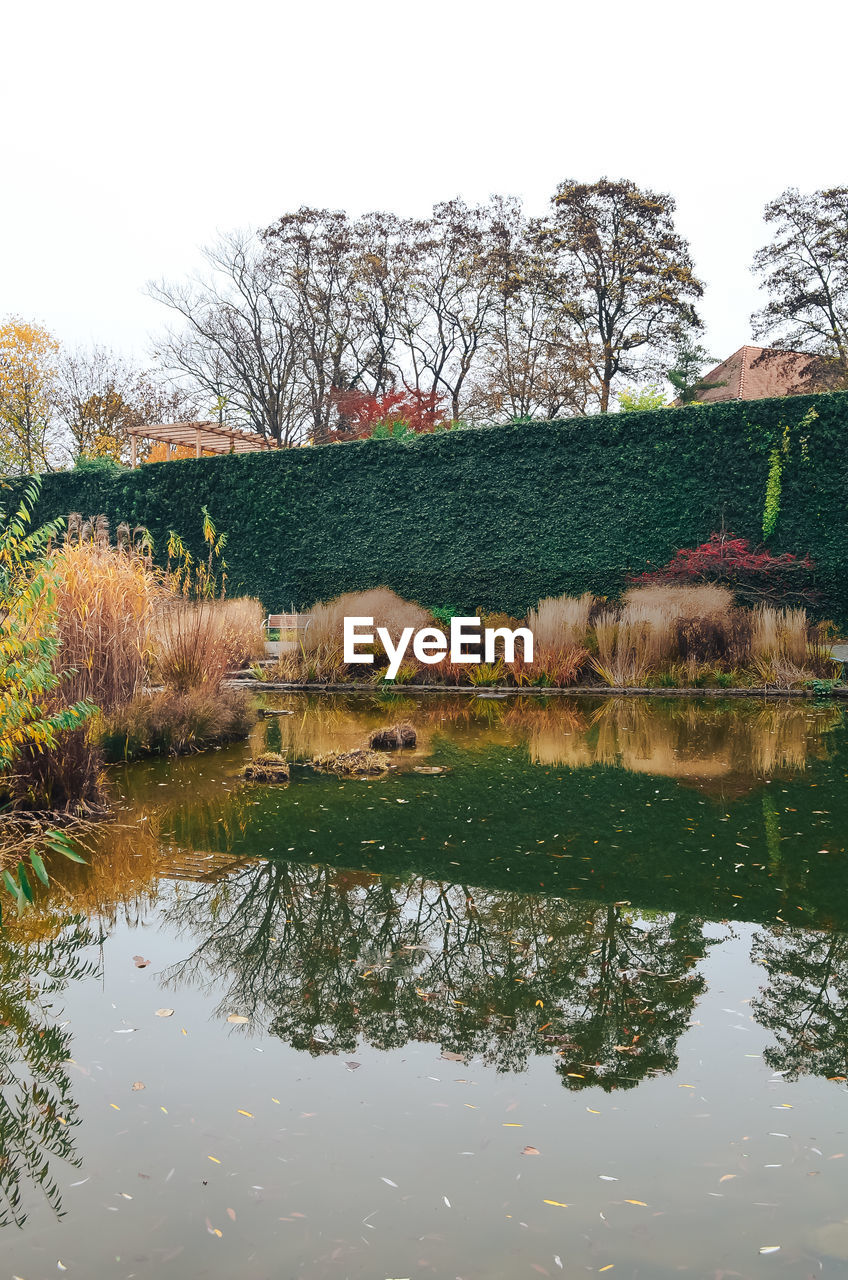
(447, 309)
(804, 271)
(238, 344)
(313, 255)
(627, 275)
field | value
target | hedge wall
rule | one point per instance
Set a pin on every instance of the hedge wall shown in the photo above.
(498, 517)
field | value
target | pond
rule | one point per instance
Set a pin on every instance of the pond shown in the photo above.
(565, 992)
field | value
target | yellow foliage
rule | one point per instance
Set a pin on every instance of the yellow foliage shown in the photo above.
(27, 385)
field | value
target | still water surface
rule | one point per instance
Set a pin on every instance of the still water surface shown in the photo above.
(577, 1003)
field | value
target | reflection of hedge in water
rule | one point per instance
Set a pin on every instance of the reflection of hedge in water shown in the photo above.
(635, 829)
(504, 822)
(323, 959)
(704, 741)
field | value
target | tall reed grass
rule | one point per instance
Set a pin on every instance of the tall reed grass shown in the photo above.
(103, 604)
(560, 622)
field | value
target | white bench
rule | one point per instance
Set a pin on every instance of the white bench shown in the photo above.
(296, 623)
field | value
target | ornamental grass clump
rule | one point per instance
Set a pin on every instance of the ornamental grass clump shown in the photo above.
(389, 610)
(560, 622)
(393, 737)
(104, 602)
(268, 767)
(192, 646)
(361, 762)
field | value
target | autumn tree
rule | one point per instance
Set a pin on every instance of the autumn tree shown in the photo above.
(100, 397)
(627, 275)
(27, 392)
(534, 361)
(804, 271)
(316, 257)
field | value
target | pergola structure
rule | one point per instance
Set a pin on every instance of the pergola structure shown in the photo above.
(206, 437)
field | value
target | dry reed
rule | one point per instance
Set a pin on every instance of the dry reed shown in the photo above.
(561, 622)
(103, 602)
(360, 762)
(384, 606)
(193, 646)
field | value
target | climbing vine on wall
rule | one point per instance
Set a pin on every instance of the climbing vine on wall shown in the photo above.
(498, 517)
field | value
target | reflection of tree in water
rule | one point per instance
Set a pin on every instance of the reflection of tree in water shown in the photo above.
(325, 957)
(37, 1111)
(805, 1003)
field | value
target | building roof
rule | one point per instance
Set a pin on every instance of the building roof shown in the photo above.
(753, 373)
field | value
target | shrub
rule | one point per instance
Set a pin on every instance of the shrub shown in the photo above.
(754, 577)
(31, 714)
(175, 723)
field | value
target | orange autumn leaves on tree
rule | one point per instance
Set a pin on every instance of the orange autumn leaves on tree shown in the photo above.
(159, 453)
(27, 376)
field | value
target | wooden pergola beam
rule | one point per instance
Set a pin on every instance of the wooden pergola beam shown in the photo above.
(208, 436)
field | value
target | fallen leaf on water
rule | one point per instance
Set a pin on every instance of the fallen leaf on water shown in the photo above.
(770, 1248)
(164, 1013)
(231, 1213)
(114, 1107)
(559, 1204)
(249, 1114)
(530, 1151)
(352, 1066)
(592, 1111)
(237, 1017)
(726, 1177)
(608, 1267)
(641, 1202)
(447, 1202)
(137, 1084)
(388, 1182)
(449, 1056)
(140, 962)
(213, 1159)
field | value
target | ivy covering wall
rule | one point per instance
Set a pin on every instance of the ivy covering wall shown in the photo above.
(496, 518)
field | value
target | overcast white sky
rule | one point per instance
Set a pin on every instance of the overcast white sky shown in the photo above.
(134, 132)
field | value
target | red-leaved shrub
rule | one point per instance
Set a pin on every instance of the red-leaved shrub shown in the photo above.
(754, 577)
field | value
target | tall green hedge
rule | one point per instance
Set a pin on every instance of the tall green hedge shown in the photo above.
(499, 517)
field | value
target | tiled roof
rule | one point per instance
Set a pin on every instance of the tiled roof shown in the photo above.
(752, 373)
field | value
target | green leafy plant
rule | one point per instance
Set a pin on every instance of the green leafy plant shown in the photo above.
(771, 510)
(17, 881)
(30, 719)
